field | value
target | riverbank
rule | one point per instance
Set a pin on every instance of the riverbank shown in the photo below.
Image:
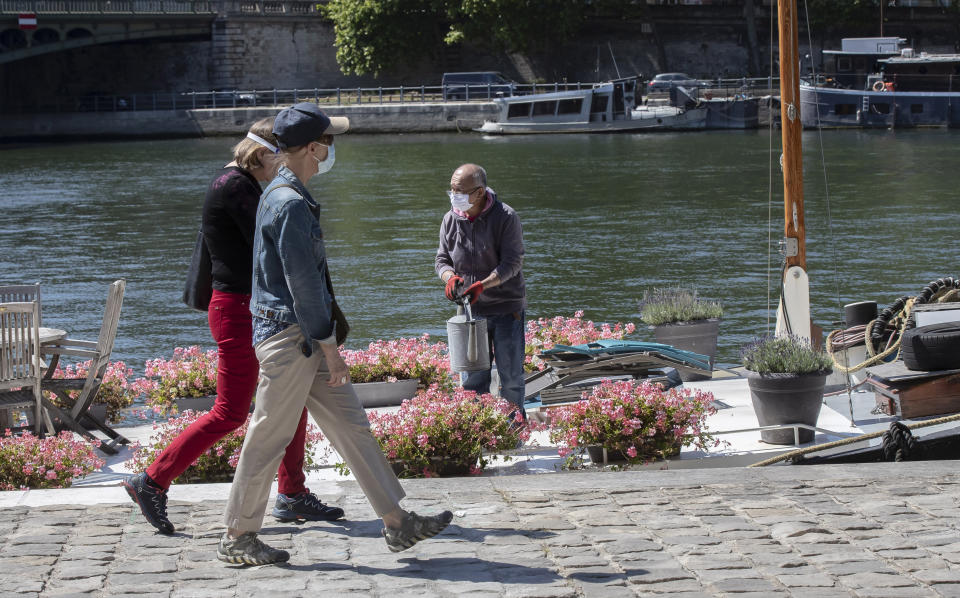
(427, 117)
(207, 122)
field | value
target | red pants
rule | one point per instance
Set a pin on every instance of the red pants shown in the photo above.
(232, 327)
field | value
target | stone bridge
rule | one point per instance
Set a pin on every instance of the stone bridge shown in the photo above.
(68, 24)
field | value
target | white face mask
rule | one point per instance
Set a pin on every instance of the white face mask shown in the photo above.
(460, 201)
(324, 166)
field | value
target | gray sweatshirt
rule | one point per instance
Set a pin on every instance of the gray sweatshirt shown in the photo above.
(492, 242)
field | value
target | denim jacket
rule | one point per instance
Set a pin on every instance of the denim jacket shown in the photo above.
(289, 263)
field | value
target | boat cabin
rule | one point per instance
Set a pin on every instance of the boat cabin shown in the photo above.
(922, 72)
(605, 102)
(858, 58)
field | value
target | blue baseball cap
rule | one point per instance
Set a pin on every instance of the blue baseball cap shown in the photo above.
(305, 122)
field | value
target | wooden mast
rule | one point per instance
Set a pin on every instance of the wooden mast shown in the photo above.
(796, 296)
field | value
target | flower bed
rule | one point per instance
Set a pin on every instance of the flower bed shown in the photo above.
(116, 390)
(544, 333)
(636, 418)
(438, 430)
(53, 462)
(191, 373)
(403, 358)
(216, 464)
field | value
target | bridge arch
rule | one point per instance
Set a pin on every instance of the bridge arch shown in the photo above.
(45, 35)
(12, 39)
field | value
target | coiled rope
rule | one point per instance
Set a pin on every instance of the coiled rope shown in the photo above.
(855, 439)
(887, 329)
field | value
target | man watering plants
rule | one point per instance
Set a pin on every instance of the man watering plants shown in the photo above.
(481, 257)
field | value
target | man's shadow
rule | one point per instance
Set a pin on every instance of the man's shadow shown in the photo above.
(371, 528)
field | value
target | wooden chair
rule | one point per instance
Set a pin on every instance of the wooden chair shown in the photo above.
(98, 352)
(20, 370)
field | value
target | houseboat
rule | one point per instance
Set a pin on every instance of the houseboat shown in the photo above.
(879, 82)
(605, 107)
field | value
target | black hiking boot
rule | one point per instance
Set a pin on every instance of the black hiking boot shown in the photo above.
(304, 507)
(152, 500)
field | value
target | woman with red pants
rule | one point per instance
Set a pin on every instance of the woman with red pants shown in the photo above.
(229, 217)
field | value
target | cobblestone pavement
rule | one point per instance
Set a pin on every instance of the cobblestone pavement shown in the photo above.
(820, 531)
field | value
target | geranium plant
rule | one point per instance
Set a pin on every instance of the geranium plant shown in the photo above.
(27, 461)
(676, 304)
(785, 354)
(544, 333)
(116, 390)
(403, 358)
(216, 464)
(191, 373)
(439, 432)
(639, 419)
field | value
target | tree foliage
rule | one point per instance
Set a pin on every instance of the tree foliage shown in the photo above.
(373, 36)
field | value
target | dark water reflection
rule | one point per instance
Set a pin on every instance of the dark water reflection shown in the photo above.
(605, 217)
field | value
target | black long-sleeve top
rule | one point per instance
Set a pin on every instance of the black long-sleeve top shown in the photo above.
(229, 219)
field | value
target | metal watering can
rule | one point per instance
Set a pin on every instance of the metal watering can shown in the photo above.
(467, 340)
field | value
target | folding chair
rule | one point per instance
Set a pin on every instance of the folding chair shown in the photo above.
(569, 367)
(99, 354)
(20, 373)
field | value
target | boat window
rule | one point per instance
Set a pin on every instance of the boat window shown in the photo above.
(859, 64)
(843, 64)
(519, 110)
(844, 108)
(573, 106)
(883, 108)
(916, 108)
(600, 103)
(548, 108)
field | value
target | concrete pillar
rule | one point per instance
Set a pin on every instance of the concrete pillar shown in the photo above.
(228, 46)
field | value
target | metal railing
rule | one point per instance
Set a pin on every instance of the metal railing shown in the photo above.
(162, 7)
(339, 96)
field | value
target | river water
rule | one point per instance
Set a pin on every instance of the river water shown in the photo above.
(605, 217)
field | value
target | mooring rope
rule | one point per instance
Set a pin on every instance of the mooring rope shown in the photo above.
(894, 321)
(851, 440)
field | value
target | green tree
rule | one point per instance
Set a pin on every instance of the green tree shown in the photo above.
(373, 36)
(829, 15)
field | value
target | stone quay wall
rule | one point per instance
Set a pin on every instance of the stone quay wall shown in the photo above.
(374, 118)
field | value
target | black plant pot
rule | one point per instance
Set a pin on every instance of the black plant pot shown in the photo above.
(786, 399)
(699, 336)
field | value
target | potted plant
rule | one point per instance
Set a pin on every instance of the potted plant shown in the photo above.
(389, 372)
(115, 393)
(441, 433)
(187, 381)
(680, 318)
(542, 334)
(634, 420)
(219, 462)
(27, 461)
(786, 378)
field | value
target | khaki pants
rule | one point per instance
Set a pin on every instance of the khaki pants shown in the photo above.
(288, 381)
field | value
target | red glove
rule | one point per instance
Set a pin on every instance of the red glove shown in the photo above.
(474, 291)
(452, 290)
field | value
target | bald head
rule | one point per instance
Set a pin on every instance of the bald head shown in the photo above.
(468, 177)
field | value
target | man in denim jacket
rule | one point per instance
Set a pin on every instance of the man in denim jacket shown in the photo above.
(481, 256)
(295, 339)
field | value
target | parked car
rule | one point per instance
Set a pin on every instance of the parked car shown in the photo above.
(476, 85)
(667, 81)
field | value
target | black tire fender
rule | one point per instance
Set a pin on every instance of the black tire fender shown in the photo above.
(933, 347)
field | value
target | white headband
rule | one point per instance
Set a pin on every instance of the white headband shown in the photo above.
(262, 142)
